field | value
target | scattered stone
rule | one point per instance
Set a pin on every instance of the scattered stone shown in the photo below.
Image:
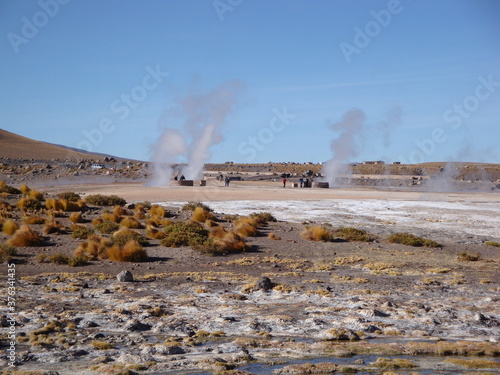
(135, 326)
(125, 276)
(264, 283)
(340, 334)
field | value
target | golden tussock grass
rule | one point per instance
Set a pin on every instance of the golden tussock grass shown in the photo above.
(29, 204)
(70, 206)
(53, 227)
(120, 211)
(154, 234)
(218, 232)
(53, 204)
(201, 215)
(158, 222)
(76, 217)
(34, 194)
(111, 217)
(24, 189)
(317, 233)
(130, 222)
(25, 236)
(9, 227)
(94, 247)
(33, 220)
(246, 227)
(5, 214)
(231, 242)
(132, 251)
(158, 211)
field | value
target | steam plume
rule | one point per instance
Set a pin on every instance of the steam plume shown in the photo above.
(346, 145)
(202, 118)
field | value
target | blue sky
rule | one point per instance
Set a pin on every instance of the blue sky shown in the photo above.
(67, 67)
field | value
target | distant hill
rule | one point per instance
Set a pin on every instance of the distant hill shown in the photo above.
(18, 147)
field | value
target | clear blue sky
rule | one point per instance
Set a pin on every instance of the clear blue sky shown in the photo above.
(425, 73)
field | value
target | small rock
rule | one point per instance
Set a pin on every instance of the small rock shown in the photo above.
(264, 283)
(134, 325)
(342, 334)
(125, 276)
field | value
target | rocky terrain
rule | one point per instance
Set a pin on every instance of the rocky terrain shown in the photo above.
(287, 305)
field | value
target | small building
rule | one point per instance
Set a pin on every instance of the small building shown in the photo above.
(396, 162)
(376, 162)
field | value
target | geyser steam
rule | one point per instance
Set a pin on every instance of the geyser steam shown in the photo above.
(346, 146)
(202, 117)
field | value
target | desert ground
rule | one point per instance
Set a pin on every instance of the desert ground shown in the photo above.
(283, 304)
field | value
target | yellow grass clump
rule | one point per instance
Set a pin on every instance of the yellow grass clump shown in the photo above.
(25, 236)
(34, 194)
(231, 242)
(317, 233)
(9, 227)
(111, 217)
(158, 211)
(76, 217)
(120, 211)
(154, 234)
(24, 189)
(130, 222)
(70, 206)
(53, 204)
(200, 215)
(33, 220)
(95, 247)
(132, 251)
(53, 227)
(246, 227)
(29, 204)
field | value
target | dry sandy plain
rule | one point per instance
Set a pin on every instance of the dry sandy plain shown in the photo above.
(333, 307)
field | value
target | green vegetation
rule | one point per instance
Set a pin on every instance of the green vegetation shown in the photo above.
(81, 231)
(106, 226)
(411, 240)
(353, 234)
(69, 196)
(492, 243)
(6, 252)
(105, 200)
(469, 257)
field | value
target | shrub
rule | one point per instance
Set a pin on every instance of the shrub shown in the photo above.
(157, 211)
(492, 243)
(34, 194)
(158, 222)
(25, 236)
(262, 218)
(200, 215)
(76, 217)
(191, 206)
(111, 217)
(33, 220)
(4, 188)
(469, 257)
(95, 247)
(52, 227)
(182, 233)
(105, 200)
(78, 261)
(124, 235)
(106, 226)
(6, 206)
(411, 240)
(58, 259)
(9, 227)
(317, 233)
(81, 231)
(132, 251)
(353, 234)
(246, 227)
(29, 204)
(130, 222)
(6, 252)
(69, 196)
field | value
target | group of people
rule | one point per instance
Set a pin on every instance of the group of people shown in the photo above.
(225, 179)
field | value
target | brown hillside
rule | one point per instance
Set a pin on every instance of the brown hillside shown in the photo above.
(18, 147)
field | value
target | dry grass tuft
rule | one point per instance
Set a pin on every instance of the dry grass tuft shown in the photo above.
(105, 200)
(29, 204)
(132, 251)
(469, 257)
(317, 233)
(231, 242)
(4, 188)
(105, 226)
(154, 234)
(475, 363)
(53, 204)
(95, 247)
(70, 206)
(76, 217)
(9, 227)
(53, 227)
(24, 189)
(354, 234)
(81, 231)
(111, 217)
(33, 220)
(157, 211)
(124, 235)
(130, 222)
(34, 194)
(200, 215)
(120, 211)
(393, 364)
(25, 236)
(492, 243)
(246, 227)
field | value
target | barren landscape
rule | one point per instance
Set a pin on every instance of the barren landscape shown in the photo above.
(299, 295)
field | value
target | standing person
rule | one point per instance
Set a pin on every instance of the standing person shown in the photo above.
(301, 181)
(284, 182)
(226, 181)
